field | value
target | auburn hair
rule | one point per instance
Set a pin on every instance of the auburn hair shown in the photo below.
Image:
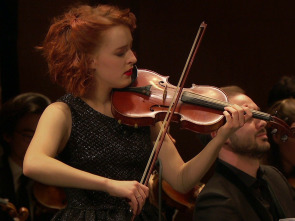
(73, 36)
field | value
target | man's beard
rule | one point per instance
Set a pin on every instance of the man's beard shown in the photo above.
(250, 148)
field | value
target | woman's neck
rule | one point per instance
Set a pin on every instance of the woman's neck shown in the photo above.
(100, 102)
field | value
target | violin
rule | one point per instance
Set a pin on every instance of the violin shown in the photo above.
(49, 199)
(21, 215)
(199, 108)
(146, 102)
(183, 202)
(50, 196)
(168, 197)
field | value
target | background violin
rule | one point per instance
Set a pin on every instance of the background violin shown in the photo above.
(181, 205)
(50, 196)
(49, 199)
(176, 204)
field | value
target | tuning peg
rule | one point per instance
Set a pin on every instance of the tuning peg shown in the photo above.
(284, 138)
(275, 130)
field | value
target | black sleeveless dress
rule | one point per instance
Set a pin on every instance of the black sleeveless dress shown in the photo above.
(100, 145)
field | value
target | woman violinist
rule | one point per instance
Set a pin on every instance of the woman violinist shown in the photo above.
(80, 146)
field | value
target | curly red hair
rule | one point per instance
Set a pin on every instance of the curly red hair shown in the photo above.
(73, 36)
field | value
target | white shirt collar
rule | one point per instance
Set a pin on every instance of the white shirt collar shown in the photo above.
(17, 171)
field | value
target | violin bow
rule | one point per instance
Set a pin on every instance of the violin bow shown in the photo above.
(167, 120)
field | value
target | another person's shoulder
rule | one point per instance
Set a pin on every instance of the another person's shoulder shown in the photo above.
(218, 200)
(217, 185)
(272, 174)
(270, 170)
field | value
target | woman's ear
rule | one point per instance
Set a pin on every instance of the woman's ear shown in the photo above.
(92, 63)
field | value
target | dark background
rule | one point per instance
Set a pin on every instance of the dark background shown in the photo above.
(247, 43)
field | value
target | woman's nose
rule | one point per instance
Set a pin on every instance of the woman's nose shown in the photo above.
(132, 58)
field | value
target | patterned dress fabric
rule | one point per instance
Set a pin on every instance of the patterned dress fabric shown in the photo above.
(100, 145)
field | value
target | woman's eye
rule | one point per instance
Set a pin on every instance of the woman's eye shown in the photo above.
(120, 54)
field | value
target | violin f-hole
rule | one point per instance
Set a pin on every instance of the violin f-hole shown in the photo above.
(156, 105)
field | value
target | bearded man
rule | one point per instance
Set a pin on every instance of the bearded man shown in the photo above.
(241, 188)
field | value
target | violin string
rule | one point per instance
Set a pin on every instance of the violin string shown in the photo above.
(163, 127)
(223, 104)
(144, 178)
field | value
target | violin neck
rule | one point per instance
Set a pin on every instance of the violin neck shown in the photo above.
(203, 101)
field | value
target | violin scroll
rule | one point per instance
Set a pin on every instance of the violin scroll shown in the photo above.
(279, 126)
(21, 215)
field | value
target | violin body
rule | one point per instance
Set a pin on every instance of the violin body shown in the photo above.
(51, 197)
(147, 101)
(49, 200)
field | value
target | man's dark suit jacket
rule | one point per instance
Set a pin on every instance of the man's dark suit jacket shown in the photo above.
(6, 185)
(7, 191)
(221, 199)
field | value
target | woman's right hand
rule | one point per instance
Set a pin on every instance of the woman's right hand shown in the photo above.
(135, 193)
(236, 116)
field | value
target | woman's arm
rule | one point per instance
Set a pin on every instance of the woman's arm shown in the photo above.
(184, 176)
(50, 138)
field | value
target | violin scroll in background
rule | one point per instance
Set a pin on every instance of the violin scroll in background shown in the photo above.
(48, 200)
(21, 215)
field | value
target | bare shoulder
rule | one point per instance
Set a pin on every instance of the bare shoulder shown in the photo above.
(59, 107)
(56, 119)
(58, 114)
(58, 110)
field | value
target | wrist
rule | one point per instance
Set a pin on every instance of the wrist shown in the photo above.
(221, 138)
(106, 185)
